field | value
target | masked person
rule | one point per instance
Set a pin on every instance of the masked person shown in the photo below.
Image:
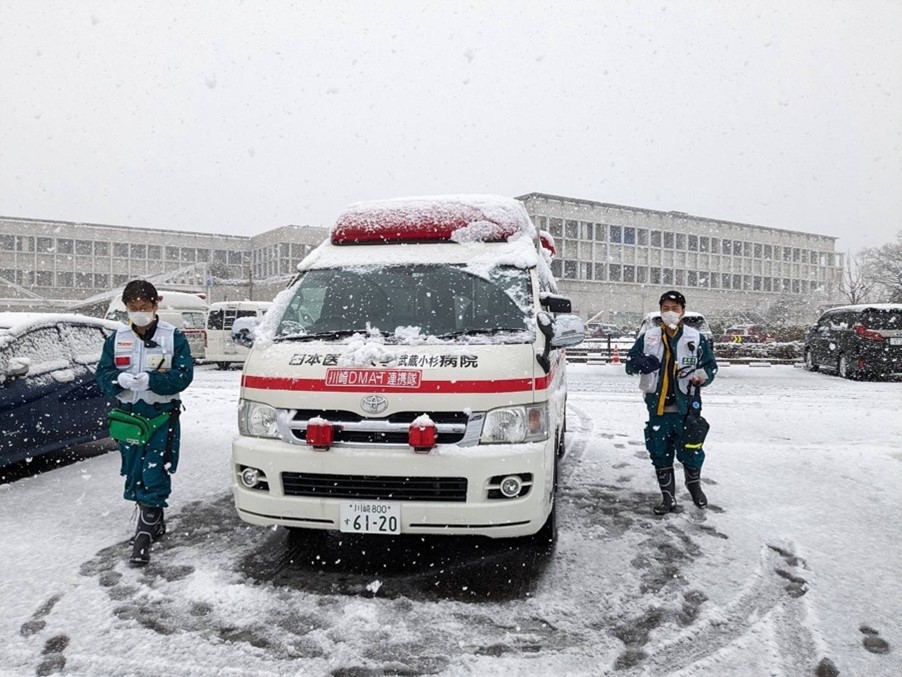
(145, 366)
(671, 358)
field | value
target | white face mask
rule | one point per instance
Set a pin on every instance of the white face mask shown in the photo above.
(671, 318)
(140, 319)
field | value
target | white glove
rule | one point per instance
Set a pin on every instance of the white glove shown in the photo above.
(699, 377)
(141, 382)
(126, 380)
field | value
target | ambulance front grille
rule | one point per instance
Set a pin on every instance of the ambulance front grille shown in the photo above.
(374, 487)
(353, 428)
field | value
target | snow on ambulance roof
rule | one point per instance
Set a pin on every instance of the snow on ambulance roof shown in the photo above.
(439, 218)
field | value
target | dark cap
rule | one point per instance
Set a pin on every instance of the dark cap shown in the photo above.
(673, 296)
(140, 289)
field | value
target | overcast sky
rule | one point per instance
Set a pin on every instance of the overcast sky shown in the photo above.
(238, 117)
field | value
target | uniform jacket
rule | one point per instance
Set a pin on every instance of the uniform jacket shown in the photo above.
(692, 352)
(169, 364)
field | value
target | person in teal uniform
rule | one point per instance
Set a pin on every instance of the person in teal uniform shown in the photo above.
(145, 366)
(673, 360)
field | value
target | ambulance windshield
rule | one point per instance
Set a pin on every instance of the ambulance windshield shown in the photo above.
(429, 300)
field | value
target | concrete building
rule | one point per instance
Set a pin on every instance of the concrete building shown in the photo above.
(613, 261)
(53, 265)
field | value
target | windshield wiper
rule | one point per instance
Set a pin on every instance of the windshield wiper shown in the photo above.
(335, 334)
(482, 331)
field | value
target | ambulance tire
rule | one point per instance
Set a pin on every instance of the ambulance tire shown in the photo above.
(223, 366)
(546, 537)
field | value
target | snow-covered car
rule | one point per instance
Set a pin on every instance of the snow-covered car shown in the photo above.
(599, 330)
(690, 319)
(856, 341)
(411, 379)
(48, 397)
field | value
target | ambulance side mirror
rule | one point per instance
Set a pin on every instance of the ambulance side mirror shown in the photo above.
(243, 331)
(567, 330)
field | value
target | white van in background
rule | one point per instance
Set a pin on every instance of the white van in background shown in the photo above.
(221, 348)
(188, 312)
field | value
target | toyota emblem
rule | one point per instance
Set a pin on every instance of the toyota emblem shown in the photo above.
(374, 404)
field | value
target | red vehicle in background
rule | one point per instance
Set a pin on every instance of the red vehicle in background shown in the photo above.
(747, 333)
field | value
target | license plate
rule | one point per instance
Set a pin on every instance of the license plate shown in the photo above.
(370, 517)
(896, 341)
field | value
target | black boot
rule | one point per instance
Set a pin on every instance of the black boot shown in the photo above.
(668, 492)
(150, 522)
(157, 531)
(694, 485)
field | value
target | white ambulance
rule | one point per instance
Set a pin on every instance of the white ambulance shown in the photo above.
(411, 379)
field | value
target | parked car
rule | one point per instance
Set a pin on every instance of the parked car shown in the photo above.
(857, 341)
(599, 330)
(48, 397)
(690, 319)
(746, 333)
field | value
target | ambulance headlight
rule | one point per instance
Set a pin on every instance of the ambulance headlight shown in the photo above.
(256, 419)
(510, 425)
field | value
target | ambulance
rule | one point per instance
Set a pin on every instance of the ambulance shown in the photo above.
(411, 379)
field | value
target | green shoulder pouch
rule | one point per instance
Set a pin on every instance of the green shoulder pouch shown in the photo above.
(134, 428)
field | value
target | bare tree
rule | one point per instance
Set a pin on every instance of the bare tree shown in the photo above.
(883, 265)
(856, 285)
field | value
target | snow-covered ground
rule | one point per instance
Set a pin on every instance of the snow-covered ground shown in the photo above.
(796, 568)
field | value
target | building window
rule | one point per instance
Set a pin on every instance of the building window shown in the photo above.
(24, 243)
(692, 243)
(616, 234)
(44, 278)
(84, 280)
(704, 244)
(737, 282)
(585, 271)
(599, 271)
(726, 246)
(629, 235)
(692, 278)
(668, 240)
(737, 248)
(795, 287)
(101, 249)
(681, 241)
(758, 250)
(84, 247)
(571, 229)
(203, 255)
(725, 279)
(45, 244)
(64, 247)
(155, 252)
(654, 275)
(641, 274)
(615, 272)
(101, 280)
(557, 227)
(767, 284)
(642, 237)
(796, 255)
(747, 282)
(556, 266)
(188, 255)
(120, 280)
(787, 253)
(120, 250)
(629, 273)
(679, 277)
(64, 279)
(768, 252)
(600, 232)
(172, 253)
(667, 276)
(7, 242)
(656, 238)
(138, 251)
(236, 258)
(756, 283)
(570, 269)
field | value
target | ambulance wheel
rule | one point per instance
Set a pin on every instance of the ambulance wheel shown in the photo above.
(546, 537)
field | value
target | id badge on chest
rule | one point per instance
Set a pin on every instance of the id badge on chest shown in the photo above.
(157, 362)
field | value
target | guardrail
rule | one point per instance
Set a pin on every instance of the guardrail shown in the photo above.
(604, 351)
